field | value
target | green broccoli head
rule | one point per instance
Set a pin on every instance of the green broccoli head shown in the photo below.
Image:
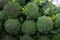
(44, 24)
(12, 9)
(0, 27)
(12, 26)
(26, 37)
(2, 16)
(43, 38)
(9, 37)
(56, 36)
(29, 27)
(57, 21)
(31, 11)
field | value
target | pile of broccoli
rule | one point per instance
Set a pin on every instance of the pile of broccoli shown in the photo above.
(29, 20)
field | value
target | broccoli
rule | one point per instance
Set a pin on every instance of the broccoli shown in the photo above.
(29, 27)
(43, 38)
(26, 37)
(44, 24)
(57, 21)
(21, 2)
(12, 9)
(31, 10)
(56, 36)
(48, 9)
(9, 37)
(58, 9)
(2, 16)
(3, 3)
(12, 26)
(1, 27)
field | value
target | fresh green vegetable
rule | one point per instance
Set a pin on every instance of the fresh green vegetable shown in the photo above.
(29, 27)
(3, 3)
(57, 21)
(9, 37)
(21, 2)
(26, 37)
(29, 20)
(12, 9)
(12, 26)
(43, 38)
(31, 10)
(44, 24)
(2, 16)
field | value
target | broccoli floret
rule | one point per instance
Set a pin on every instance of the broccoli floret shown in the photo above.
(56, 36)
(29, 27)
(12, 9)
(57, 21)
(1, 27)
(44, 24)
(26, 37)
(12, 26)
(43, 38)
(31, 11)
(2, 16)
(3, 3)
(9, 37)
(48, 9)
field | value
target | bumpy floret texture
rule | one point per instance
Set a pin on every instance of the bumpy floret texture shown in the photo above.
(26, 37)
(9, 37)
(12, 26)
(2, 16)
(3, 3)
(43, 38)
(31, 11)
(12, 9)
(48, 9)
(29, 27)
(44, 24)
(29, 20)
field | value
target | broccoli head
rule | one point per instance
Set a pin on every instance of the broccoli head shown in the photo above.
(9, 37)
(12, 26)
(57, 21)
(43, 38)
(12, 9)
(0, 27)
(56, 36)
(44, 24)
(29, 27)
(31, 10)
(26, 37)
